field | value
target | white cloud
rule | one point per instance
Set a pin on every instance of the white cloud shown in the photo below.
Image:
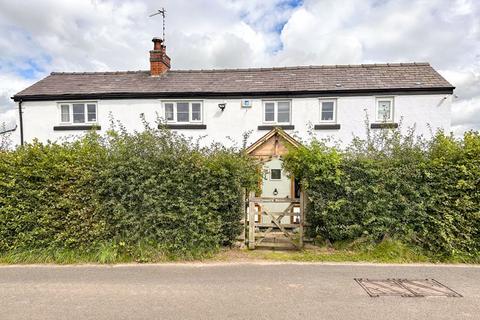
(8, 119)
(9, 85)
(466, 80)
(466, 105)
(38, 37)
(444, 33)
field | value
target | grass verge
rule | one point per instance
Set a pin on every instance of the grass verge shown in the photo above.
(388, 251)
(106, 253)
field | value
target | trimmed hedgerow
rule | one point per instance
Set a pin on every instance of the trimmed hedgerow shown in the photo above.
(153, 188)
(425, 193)
(161, 187)
(48, 197)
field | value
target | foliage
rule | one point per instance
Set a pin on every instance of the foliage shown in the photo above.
(47, 195)
(390, 185)
(149, 189)
(104, 253)
(451, 222)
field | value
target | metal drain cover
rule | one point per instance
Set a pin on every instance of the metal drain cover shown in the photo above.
(406, 288)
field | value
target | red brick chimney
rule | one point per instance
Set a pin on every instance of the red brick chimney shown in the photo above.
(159, 61)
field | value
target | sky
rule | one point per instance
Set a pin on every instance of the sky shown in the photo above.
(38, 37)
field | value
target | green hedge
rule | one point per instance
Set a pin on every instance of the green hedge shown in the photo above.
(154, 187)
(426, 193)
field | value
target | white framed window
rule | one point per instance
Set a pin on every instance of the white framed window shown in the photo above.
(196, 110)
(169, 111)
(269, 112)
(328, 110)
(183, 111)
(275, 174)
(65, 113)
(78, 112)
(277, 111)
(384, 109)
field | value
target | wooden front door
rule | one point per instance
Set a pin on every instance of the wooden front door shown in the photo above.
(275, 184)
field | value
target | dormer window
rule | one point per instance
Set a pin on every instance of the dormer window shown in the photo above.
(384, 110)
(183, 111)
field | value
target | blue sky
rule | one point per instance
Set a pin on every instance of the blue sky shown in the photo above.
(38, 37)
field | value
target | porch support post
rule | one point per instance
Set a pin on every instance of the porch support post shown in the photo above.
(251, 221)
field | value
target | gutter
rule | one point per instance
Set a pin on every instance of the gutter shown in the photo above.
(240, 95)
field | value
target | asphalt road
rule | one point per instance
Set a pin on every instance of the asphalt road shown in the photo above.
(228, 291)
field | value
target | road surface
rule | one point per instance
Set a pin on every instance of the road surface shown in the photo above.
(228, 291)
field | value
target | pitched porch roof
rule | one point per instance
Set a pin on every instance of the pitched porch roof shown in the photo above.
(274, 143)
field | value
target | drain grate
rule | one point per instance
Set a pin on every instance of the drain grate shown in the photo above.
(406, 288)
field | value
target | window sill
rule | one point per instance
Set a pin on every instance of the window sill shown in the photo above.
(178, 126)
(327, 126)
(77, 127)
(270, 127)
(384, 125)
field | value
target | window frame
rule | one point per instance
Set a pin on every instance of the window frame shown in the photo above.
(165, 111)
(321, 101)
(275, 112)
(70, 112)
(264, 112)
(270, 174)
(190, 111)
(392, 109)
(86, 112)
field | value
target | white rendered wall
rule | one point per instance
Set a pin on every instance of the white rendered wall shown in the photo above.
(420, 110)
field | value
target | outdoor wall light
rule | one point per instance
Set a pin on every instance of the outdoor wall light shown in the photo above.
(275, 192)
(222, 106)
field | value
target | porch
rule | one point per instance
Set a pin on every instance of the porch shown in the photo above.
(275, 216)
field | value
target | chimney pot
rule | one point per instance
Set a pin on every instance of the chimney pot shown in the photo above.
(157, 43)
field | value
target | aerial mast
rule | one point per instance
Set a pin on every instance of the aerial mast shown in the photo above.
(163, 13)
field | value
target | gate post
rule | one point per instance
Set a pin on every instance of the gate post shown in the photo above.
(245, 216)
(251, 221)
(302, 216)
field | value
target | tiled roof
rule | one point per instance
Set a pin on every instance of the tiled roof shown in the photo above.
(287, 80)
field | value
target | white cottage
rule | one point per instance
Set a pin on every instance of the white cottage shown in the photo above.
(223, 104)
(273, 104)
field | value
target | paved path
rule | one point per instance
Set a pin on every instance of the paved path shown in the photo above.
(227, 291)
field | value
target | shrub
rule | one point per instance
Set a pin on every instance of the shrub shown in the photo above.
(451, 222)
(164, 188)
(47, 197)
(391, 185)
(153, 187)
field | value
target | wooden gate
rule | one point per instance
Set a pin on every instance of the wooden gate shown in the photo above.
(284, 235)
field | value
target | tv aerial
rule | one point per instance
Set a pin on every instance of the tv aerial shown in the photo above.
(161, 12)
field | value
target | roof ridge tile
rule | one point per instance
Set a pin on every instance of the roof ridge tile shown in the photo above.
(55, 73)
(275, 68)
